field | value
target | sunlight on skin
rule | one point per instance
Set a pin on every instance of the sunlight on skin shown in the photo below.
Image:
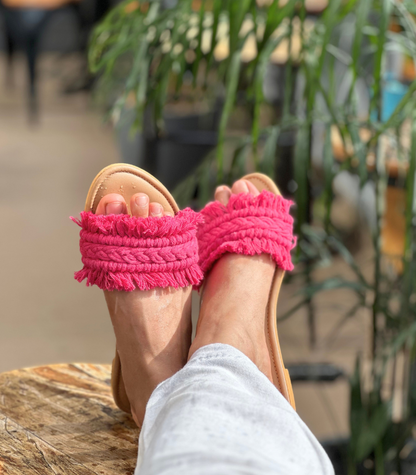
(153, 328)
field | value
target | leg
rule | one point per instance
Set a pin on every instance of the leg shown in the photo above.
(221, 413)
(33, 23)
(11, 38)
(31, 55)
(153, 328)
(235, 293)
(10, 50)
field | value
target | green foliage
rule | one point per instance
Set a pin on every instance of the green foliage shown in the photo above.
(369, 421)
(159, 46)
(149, 53)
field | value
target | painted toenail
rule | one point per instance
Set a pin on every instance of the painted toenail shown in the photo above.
(157, 209)
(142, 201)
(116, 207)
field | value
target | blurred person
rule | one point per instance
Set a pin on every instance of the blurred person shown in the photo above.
(25, 22)
(37, 4)
(224, 402)
(88, 14)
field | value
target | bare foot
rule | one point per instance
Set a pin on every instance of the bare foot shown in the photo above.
(235, 297)
(153, 328)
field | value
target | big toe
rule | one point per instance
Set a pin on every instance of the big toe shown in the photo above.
(112, 203)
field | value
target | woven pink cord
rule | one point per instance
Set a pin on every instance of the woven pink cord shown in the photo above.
(247, 225)
(121, 252)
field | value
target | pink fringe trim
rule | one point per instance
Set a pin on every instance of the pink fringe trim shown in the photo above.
(121, 252)
(247, 225)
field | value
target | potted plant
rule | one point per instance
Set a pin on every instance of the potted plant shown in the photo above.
(333, 82)
(178, 71)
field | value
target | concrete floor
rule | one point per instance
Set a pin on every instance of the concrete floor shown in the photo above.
(46, 316)
(45, 172)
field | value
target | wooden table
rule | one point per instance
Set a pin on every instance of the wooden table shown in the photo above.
(61, 419)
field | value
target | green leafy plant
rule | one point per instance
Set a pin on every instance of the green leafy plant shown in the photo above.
(222, 49)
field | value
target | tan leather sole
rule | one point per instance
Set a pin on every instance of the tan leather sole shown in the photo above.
(281, 378)
(126, 180)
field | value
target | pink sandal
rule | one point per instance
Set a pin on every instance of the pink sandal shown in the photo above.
(122, 252)
(254, 225)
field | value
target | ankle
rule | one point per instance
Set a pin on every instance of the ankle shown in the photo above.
(234, 335)
(234, 306)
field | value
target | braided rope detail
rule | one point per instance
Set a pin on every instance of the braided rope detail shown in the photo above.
(122, 252)
(247, 225)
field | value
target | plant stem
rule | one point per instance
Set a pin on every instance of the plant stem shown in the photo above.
(310, 308)
(288, 73)
(377, 101)
(377, 249)
(379, 459)
(410, 225)
(352, 468)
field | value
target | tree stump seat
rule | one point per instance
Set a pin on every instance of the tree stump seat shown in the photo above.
(61, 419)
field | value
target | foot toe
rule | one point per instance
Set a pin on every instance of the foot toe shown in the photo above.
(244, 186)
(139, 205)
(240, 186)
(222, 194)
(156, 210)
(112, 203)
(251, 188)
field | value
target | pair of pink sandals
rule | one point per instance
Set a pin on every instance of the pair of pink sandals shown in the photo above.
(122, 252)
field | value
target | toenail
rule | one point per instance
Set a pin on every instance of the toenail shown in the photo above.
(142, 201)
(115, 207)
(220, 188)
(157, 209)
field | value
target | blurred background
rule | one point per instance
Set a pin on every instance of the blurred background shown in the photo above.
(52, 143)
(319, 95)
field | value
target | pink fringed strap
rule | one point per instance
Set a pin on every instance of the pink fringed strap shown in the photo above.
(247, 225)
(121, 252)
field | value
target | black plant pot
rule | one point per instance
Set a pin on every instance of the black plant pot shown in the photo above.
(285, 154)
(337, 450)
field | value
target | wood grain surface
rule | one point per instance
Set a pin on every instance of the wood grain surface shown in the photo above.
(61, 419)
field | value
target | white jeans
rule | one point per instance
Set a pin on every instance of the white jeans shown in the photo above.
(220, 415)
